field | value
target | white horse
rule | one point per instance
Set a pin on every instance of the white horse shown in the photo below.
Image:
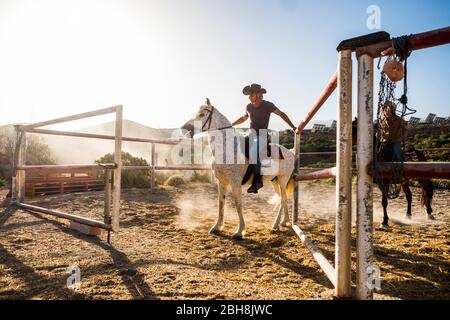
(280, 171)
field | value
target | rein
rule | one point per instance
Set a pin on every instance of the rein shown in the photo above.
(208, 121)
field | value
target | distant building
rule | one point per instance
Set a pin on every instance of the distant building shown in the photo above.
(333, 125)
(438, 121)
(413, 121)
(318, 127)
(429, 118)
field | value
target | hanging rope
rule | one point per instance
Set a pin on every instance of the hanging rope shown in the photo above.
(385, 152)
(402, 51)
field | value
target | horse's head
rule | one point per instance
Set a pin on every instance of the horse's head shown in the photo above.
(206, 118)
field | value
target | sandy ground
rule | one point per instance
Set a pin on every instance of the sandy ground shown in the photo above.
(164, 251)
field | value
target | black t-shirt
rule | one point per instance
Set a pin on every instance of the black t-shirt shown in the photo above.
(260, 116)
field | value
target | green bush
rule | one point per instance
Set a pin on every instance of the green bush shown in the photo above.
(175, 181)
(161, 177)
(3, 182)
(200, 177)
(136, 179)
(37, 153)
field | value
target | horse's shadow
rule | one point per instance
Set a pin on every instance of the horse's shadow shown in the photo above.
(267, 251)
(131, 277)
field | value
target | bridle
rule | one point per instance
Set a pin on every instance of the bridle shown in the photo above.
(209, 119)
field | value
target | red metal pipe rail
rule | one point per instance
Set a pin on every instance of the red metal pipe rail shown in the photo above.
(417, 41)
(429, 39)
(326, 93)
(72, 217)
(317, 175)
(436, 170)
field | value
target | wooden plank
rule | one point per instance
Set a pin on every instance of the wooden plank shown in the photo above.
(70, 118)
(87, 230)
(51, 168)
(118, 170)
(101, 136)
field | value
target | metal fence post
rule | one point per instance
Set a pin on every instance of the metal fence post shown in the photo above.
(344, 176)
(364, 213)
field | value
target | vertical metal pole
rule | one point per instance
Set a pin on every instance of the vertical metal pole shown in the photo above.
(107, 206)
(344, 176)
(212, 176)
(295, 198)
(364, 213)
(118, 169)
(152, 186)
(14, 192)
(18, 181)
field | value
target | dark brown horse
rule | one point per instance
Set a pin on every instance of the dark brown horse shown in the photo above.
(426, 184)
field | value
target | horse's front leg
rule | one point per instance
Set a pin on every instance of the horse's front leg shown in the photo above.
(384, 202)
(408, 195)
(278, 207)
(427, 196)
(284, 203)
(222, 193)
(237, 196)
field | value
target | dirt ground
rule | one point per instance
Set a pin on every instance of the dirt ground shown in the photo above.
(164, 251)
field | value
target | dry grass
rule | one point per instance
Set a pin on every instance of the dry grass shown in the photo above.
(163, 250)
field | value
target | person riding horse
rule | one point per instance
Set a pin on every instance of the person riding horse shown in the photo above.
(392, 132)
(259, 111)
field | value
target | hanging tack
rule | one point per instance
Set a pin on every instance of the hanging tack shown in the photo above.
(394, 70)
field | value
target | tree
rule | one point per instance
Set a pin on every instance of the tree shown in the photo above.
(130, 179)
(37, 152)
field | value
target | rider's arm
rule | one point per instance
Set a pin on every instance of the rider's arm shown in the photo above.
(240, 120)
(284, 116)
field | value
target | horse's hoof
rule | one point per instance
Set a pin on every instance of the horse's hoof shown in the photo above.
(275, 228)
(285, 224)
(431, 217)
(384, 226)
(237, 236)
(408, 216)
(215, 230)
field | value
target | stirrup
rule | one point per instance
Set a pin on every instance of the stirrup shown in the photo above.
(266, 163)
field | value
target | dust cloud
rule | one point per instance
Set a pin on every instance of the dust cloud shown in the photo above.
(198, 209)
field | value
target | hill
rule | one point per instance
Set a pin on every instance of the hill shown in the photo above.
(74, 150)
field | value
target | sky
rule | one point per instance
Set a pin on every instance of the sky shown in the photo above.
(161, 59)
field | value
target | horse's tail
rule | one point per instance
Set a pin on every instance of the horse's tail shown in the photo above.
(289, 191)
(427, 186)
(427, 192)
(290, 186)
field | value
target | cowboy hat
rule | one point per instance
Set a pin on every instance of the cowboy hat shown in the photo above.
(254, 88)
